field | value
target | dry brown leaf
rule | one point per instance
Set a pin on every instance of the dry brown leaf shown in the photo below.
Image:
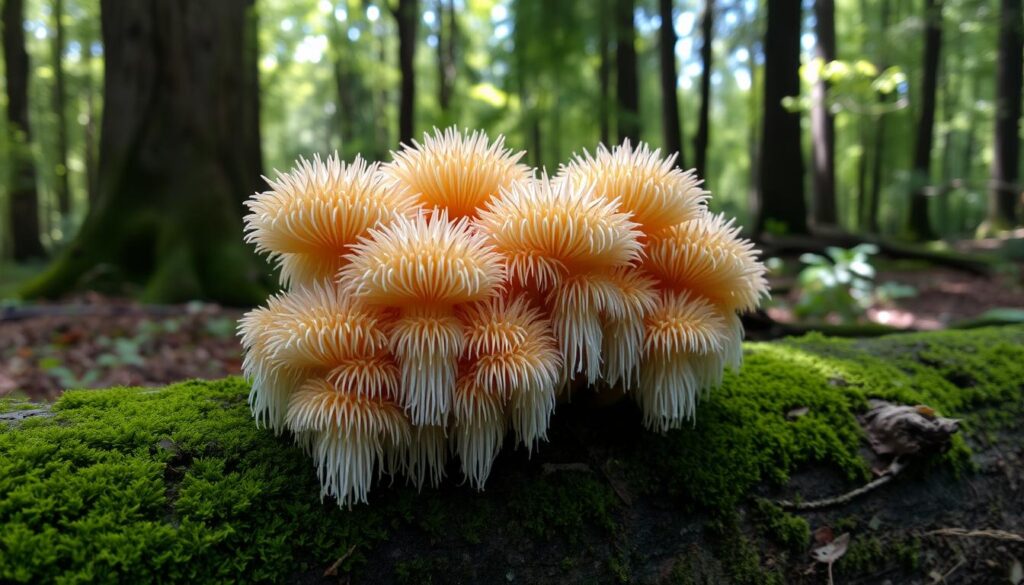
(906, 430)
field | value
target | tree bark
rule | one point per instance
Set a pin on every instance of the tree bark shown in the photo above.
(919, 222)
(407, 17)
(604, 72)
(782, 206)
(874, 201)
(252, 138)
(59, 100)
(23, 196)
(626, 85)
(700, 140)
(669, 83)
(1005, 192)
(173, 167)
(446, 44)
(89, 132)
(822, 122)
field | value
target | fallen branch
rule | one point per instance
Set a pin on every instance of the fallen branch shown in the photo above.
(964, 533)
(332, 571)
(890, 473)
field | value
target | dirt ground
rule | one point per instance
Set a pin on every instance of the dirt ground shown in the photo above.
(944, 297)
(94, 341)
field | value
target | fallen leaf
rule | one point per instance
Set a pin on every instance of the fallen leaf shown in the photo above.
(905, 430)
(832, 551)
(797, 413)
(824, 535)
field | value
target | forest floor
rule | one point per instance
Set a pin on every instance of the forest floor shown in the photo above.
(91, 341)
(943, 297)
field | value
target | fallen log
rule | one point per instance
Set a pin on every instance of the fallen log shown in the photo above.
(177, 485)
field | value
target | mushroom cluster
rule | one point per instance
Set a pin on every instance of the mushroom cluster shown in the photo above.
(435, 302)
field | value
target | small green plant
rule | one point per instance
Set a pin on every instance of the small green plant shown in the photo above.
(842, 283)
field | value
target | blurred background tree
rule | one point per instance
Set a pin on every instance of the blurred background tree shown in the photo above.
(134, 130)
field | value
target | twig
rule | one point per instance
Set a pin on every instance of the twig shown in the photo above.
(963, 532)
(948, 573)
(333, 569)
(892, 472)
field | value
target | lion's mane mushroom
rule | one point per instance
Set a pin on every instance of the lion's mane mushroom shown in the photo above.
(324, 357)
(310, 216)
(438, 301)
(424, 268)
(455, 171)
(561, 241)
(655, 193)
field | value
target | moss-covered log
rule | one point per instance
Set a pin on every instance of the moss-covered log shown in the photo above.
(178, 485)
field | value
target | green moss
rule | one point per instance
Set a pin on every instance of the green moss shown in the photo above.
(740, 559)
(743, 437)
(420, 570)
(792, 532)
(871, 555)
(178, 485)
(565, 505)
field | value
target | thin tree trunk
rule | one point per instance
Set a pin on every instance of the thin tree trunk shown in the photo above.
(753, 141)
(345, 111)
(1005, 192)
(22, 194)
(252, 166)
(446, 53)
(862, 174)
(407, 17)
(700, 140)
(971, 140)
(604, 72)
(874, 201)
(782, 205)
(919, 224)
(822, 123)
(59, 94)
(172, 157)
(381, 123)
(952, 75)
(626, 85)
(89, 132)
(669, 83)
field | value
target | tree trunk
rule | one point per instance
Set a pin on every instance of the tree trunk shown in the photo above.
(172, 165)
(89, 132)
(919, 224)
(1005, 192)
(446, 53)
(700, 140)
(604, 73)
(22, 194)
(251, 137)
(782, 205)
(669, 82)
(344, 81)
(407, 17)
(822, 123)
(874, 201)
(59, 97)
(627, 87)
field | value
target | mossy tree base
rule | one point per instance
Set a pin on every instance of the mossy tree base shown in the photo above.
(177, 485)
(177, 160)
